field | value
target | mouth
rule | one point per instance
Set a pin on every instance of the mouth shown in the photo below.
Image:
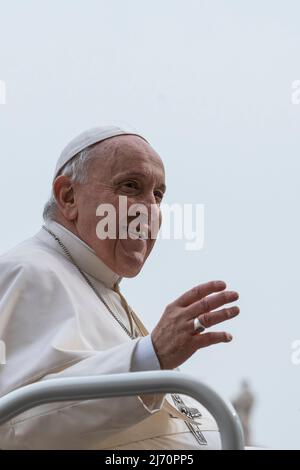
(141, 234)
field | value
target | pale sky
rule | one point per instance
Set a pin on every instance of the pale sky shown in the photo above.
(209, 85)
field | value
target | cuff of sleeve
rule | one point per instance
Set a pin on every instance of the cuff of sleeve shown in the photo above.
(144, 356)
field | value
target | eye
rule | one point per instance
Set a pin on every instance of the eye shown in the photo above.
(130, 184)
(159, 195)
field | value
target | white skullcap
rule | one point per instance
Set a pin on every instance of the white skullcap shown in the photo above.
(90, 137)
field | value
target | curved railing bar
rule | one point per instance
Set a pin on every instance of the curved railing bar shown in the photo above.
(127, 384)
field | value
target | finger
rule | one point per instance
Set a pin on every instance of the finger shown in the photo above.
(210, 303)
(200, 291)
(209, 319)
(204, 340)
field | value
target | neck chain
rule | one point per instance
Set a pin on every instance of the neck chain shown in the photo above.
(178, 402)
(70, 257)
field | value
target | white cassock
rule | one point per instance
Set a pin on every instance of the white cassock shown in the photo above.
(55, 326)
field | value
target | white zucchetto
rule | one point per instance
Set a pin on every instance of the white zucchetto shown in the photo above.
(90, 137)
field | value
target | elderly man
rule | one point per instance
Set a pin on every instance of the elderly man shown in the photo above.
(62, 313)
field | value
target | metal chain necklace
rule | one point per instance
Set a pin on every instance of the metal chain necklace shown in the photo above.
(70, 257)
(178, 402)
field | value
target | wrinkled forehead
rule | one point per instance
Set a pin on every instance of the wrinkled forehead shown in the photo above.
(125, 154)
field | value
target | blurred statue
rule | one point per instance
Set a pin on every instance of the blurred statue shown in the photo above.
(243, 404)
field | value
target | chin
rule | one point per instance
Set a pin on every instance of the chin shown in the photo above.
(133, 271)
(129, 263)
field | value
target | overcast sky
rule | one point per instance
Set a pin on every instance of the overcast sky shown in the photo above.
(209, 84)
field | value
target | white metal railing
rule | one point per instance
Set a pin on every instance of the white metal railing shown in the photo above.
(117, 385)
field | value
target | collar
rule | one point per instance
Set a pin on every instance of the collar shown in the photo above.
(82, 253)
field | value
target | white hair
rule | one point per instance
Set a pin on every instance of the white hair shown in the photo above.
(77, 169)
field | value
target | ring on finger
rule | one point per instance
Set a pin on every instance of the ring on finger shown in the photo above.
(198, 327)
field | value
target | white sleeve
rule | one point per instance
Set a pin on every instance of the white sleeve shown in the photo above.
(27, 326)
(80, 425)
(144, 356)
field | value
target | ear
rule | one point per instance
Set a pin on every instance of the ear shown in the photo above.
(64, 193)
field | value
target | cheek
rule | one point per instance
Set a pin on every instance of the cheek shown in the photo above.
(87, 215)
(105, 249)
(156, 215)
(150, 245)
(88, 205)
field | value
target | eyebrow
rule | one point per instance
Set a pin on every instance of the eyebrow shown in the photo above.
(129, 174)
